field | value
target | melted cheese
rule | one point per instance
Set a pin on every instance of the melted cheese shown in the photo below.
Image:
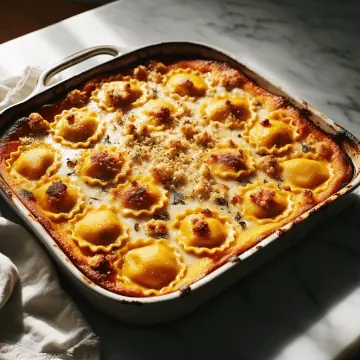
(305, 173)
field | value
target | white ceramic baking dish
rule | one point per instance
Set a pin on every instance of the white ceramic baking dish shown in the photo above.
(167, 307)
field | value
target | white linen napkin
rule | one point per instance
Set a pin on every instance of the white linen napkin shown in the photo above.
(38, 320)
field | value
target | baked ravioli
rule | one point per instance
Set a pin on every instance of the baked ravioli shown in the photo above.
(152, 178)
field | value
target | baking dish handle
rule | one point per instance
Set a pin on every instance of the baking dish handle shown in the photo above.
(73, 60)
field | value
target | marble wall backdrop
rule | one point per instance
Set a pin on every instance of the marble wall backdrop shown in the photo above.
(310, 47)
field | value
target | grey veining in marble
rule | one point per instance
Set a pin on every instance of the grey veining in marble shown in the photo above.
(305, 305)
(310, 47)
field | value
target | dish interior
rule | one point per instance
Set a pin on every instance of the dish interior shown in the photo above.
(153, 177)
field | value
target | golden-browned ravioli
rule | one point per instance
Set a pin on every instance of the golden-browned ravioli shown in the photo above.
(153, 176)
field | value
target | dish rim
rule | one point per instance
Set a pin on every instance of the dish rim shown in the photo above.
(51, 244)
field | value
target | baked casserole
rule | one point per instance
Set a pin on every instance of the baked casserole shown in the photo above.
(153, 177)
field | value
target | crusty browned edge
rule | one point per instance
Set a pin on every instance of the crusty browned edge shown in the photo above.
(229, 77)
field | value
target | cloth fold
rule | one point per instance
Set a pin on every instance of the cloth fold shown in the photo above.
(38, 320)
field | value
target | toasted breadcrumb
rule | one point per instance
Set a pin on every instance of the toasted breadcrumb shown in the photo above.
(308, 197)
(78, 98)
(141, 73)
(202, 189)
(269, 165)
(188, 130)
(208, 188)
(321, 148)
(205, 139)
(38, 124)
(157, 71)
(263, 198)
(176, 146)
(162, 173)
(158, 67)
(100, 263)
(121, 94)
(26, 140)
(156, 227)
(168, 176)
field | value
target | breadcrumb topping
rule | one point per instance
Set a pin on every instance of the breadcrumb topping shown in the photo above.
(38, 124)
(78, 98)
(263, 198)
(156, 228)
(56, 192)
(269, 164)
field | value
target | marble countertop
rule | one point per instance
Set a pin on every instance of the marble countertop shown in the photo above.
(306, 303)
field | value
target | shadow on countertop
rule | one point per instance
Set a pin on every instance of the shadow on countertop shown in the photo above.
(261, 314)
(351, 352)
